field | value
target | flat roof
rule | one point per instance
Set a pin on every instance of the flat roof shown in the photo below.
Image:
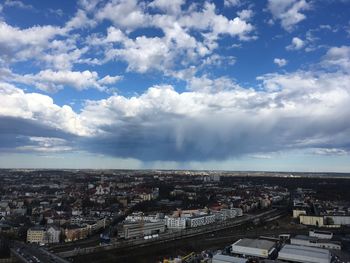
(228, 259)
(297, 253)
(321, 232)
(303, 237)
(255, 243)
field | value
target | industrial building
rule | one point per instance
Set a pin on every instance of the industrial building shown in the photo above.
(298, 212)
(220, 258)
(303, 254)
(314, 242)
(321, 234)
(311, 220)
(254, 248)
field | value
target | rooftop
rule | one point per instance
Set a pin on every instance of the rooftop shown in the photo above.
(255, 243)
(304, 254)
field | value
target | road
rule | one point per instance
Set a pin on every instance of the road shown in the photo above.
(28, 253)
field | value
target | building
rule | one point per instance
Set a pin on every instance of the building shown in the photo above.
(220, 258)
(225, 214)
(314, 242)
(139, 216)
(140, 229)
(298, 212)
(200, 220)
(254, 248)
(311, 220)
(175, 222)
(53, 235)
(321, 234)
(36, 235)
(341, 220)
(75, 232)
(303, 254)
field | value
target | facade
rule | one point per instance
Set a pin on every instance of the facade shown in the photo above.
(200, 220)
(36, 235)
(253, 247)
(303, 254)
(340, 220)
(74, 232)
(325, 221)
(53, 235)
(134, 230)
(176, 222)
(311, 220)
(298, 212)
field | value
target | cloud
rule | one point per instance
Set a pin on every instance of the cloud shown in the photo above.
(200, 126)
(178, 46)
(52, 81)
(170, 7)
(296, 44)
(215, 119)
(39, 111)
(245, 14)
(281, 62)
(187, 36)
(125, 14)
(288, 12)
(22, 44)
(231, 3)
(45, 145)
(337, 58)
(17, 4)
(331, 151)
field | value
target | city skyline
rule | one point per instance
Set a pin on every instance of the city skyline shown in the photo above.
(222, 85)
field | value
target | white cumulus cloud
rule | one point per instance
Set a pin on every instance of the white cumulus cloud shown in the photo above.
(281, 62)
(288, 12)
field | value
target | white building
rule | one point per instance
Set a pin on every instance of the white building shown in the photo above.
(175, 222)
(103, 189)
(253, 247)
(200, 220)
(303, 254)
(53, 235)
(225, 214)
(314, 242)
(298, 212)
(139, 216)
(321, 234)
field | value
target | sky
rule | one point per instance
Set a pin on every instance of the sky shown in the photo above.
(159, 84)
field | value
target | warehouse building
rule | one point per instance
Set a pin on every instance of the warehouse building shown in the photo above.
(311, 220)
(220, 258)
(254, 248)
(314, 242)
(321, 234)
(303, 254)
